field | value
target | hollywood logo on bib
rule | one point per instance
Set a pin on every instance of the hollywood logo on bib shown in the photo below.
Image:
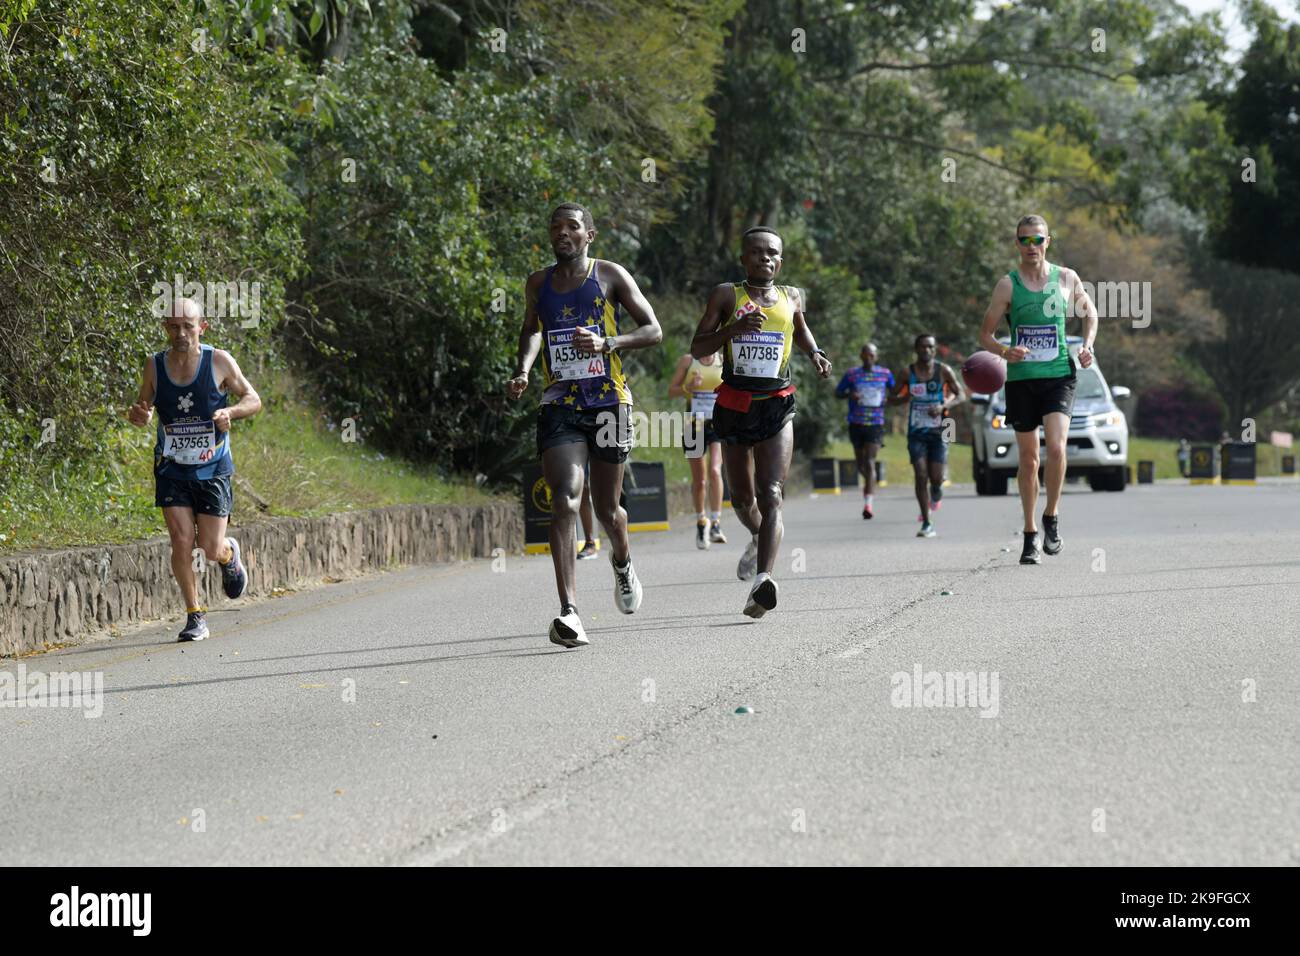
(567, 363)
(1040, 340)
(758, 354)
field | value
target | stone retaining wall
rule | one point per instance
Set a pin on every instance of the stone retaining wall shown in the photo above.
(67, 596)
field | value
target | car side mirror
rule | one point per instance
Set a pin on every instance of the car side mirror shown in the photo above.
(1119, 392)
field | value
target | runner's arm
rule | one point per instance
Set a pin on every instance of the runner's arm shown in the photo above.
(626, 293)
(140, 413)
(676, 388)
(842, 390)
(530, 335)
(1083, 305)
(803, 336)
(996, 311)
(711, 335)
(231, 378)
(958, 389)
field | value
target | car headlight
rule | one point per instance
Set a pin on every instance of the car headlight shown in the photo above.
(1108, 418)
(999, 422)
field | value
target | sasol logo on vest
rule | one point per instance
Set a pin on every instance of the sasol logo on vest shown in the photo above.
(103, 909)
(949, 689)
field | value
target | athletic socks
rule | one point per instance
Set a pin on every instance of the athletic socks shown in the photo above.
(715, 516)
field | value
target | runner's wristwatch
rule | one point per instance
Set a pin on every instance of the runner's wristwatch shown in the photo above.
(605, 347)
(821, 352)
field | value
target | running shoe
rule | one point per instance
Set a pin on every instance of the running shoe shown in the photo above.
(566, 630)
(627, 589)
(702, 535)
(927, 530)
(866, 511)
(1052, 542)
(196, 627)
(715, 533)
(233, 578)
(1030, 553)
(762, 598)
(748, 565)
(588, 551)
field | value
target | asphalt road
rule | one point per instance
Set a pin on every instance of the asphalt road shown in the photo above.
(1141, 703)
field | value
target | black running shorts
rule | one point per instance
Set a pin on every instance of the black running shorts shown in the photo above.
(764, 420)
(1028, 400)
(606, 431)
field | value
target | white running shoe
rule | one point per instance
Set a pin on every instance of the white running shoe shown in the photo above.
(762, 598)
(627, 589)
(702, 535)
(748, 565)
(566, 630)
(715, 534)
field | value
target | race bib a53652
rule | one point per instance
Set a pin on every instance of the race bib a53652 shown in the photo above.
(567, 363)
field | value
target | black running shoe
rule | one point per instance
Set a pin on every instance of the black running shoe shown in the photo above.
(1051, 535)
(1030, 553)
(196, 627)
(233, 578)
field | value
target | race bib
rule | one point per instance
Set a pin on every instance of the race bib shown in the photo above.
(702, 404)
(921, 417)
(190, 443)
(758, 354)
(871, 395)
(567, 363)
(1041, 342)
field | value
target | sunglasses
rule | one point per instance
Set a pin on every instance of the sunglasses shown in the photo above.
(1031, 240)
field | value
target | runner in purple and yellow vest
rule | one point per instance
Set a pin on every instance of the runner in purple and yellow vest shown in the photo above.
(571, 319)
(756, 325)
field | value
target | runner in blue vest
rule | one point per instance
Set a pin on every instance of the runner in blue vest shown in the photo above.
(932, 390)
(1034, 301)
(189, 384)
(866, 388)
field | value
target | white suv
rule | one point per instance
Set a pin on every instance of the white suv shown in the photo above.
(1096, 446)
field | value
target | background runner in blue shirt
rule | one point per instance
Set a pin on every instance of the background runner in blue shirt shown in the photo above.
(866, 387)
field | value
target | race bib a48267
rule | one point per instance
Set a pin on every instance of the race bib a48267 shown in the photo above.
(758, 354)
(190, 443)
(567, 363)
(1040, 340)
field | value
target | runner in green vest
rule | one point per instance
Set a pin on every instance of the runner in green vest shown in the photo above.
(1035, 301)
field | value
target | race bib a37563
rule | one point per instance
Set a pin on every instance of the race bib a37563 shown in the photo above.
(189, 443)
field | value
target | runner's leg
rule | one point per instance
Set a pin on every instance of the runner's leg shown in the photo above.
(606, 486)
(1027, 476)
(740, 472)
(180, 529)
(771, 467)
(562, 467)
(1055, 427)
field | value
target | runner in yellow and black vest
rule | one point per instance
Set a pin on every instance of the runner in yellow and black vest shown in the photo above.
(571, 320)
(756, 324)
(697, 381)
(1035, 300)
